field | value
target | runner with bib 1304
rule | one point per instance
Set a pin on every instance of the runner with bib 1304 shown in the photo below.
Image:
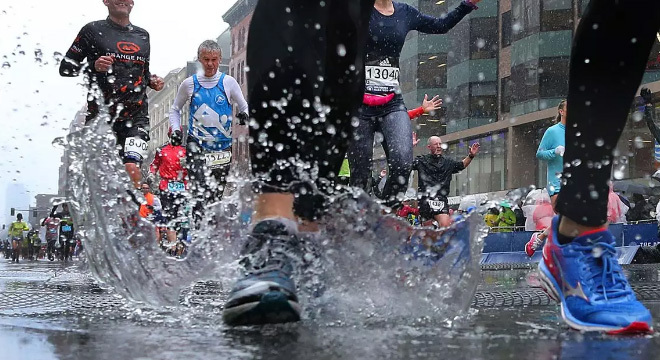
(383, 109)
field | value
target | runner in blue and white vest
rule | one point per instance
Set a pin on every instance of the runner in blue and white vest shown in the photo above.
(208, 149)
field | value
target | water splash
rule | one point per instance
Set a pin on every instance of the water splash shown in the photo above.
(378, 267)
(366, 267)
(121, 247)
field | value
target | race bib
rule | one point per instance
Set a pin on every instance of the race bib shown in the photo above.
(382, 76)
(175, 186)
(66, 228)
(136, 148)
(217, 159)
(436, 205)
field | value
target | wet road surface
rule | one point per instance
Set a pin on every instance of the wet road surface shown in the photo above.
(55, 311)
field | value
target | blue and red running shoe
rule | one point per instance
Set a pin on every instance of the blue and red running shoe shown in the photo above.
(585, 277)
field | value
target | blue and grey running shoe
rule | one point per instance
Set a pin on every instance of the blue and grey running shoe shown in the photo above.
(266, 294)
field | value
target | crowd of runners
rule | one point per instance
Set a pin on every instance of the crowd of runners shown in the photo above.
(55, 238)
(324, 79)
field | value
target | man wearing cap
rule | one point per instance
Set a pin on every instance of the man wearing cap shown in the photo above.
(434, 171)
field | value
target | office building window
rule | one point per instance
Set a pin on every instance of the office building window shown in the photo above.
(487, 171)
(241, 73)
(459, 49)
(505, 100)
(553, 77)
(525, 18)
(483, 38)
(524, 81)
(483, 100)
(556, 15)
(507, 29)
(433, 7)
(432, 71)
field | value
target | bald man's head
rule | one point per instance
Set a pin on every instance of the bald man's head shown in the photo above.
(434, 144)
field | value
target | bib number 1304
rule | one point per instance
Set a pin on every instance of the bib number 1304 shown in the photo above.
(390, 74)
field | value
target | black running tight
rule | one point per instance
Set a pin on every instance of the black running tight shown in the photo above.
(610, 50)
(305, 84)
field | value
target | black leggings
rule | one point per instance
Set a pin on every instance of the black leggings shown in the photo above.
(610, 51)
(206, 185)
(305, 85)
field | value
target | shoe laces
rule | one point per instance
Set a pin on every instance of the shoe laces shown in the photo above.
(604, 272)
(537, 242)
(270, 252)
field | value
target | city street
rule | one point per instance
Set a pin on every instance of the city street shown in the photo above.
(52, 311)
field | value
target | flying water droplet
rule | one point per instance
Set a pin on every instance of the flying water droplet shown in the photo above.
(341, 50)
(618, 174)
(481, 43)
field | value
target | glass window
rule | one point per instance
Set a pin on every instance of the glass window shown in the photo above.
(242, 72)
(483, 38)
(556, 15)
(486, 172)
(431, 71)
(525, 18)
(557, 4)
(483, 100)
(507, 30)
(635, 149)
(457, 103)
(553, 79)
(459, 49)
(505, 100)
(435, 8)
(524, 81)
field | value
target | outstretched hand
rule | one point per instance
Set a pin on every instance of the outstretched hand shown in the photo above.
(474, 149)
(430, 105)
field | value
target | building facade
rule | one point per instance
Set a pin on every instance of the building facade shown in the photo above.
(160, 103)
(239, 17)
(502, 72)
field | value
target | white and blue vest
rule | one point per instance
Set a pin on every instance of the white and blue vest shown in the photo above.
(210, 116)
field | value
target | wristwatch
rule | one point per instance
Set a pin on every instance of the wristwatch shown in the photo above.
(471, 156)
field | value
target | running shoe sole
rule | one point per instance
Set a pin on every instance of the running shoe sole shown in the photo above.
(551, 287)
(273, 307)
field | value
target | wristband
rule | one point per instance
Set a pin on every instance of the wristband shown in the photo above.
(471, 156)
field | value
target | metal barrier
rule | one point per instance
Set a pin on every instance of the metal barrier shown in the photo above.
(642, 233)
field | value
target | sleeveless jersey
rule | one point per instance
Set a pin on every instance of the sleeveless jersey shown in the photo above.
(210, 116)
